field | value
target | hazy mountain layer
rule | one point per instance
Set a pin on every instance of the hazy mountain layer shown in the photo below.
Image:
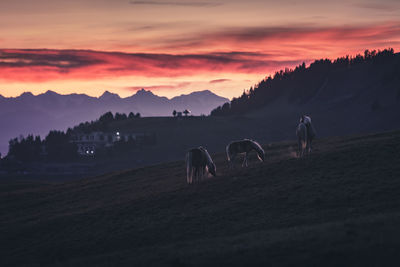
(29, 114)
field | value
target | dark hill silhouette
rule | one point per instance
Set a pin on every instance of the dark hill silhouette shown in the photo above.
(29, 114)
(338, 207)
(366, 84)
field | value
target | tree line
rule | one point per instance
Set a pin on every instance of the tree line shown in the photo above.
(103, 123)
(55, 147)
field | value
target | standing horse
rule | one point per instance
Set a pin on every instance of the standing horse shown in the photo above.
(301, 133)
(310, 131)
(243, 146)
(197, 161)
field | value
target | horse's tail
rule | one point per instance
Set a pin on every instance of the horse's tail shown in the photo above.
(189, 167)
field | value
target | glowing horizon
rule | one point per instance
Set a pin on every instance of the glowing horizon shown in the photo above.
(177, 47)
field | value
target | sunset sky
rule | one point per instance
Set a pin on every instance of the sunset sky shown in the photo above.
(173, 47)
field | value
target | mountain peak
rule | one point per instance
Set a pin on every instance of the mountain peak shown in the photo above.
(108, 95)
(26, 94)
(143, 92)
(50, 92)
(205, 94)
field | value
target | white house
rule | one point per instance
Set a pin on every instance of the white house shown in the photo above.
(88, 143)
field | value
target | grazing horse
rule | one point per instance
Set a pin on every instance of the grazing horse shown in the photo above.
(197, 161)
(306, 120)
(301, 132)
(243, 146)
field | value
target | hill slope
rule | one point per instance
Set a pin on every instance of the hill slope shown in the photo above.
(338, 207)
(363, 84)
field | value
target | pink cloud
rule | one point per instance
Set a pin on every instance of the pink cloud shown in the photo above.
(45, 65)
(295, 41)
(219, 80)
(247, 50)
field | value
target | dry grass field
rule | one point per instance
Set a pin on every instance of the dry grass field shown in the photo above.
(338, 207)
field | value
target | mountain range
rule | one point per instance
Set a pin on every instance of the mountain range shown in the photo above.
(37, 114)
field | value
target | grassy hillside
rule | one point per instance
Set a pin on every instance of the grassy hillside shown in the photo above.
(339, 207)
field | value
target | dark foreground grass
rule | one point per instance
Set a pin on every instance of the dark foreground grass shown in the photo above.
(339, 207)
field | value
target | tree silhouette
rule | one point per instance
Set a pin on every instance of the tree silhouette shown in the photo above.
(107, 117)
(55, 147)
(25, 149)
(59, 147)
(120, 116)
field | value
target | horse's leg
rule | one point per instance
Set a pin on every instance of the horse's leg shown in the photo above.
(307, 148)
(232, 161)
(244, 160)
(298, 147)
(302, 147)
(308, 139)
(201, 173)
(188, 174)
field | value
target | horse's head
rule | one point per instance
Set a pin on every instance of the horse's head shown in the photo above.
(305, 119)
(212, 169)
(261, 156)
(260, 151)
